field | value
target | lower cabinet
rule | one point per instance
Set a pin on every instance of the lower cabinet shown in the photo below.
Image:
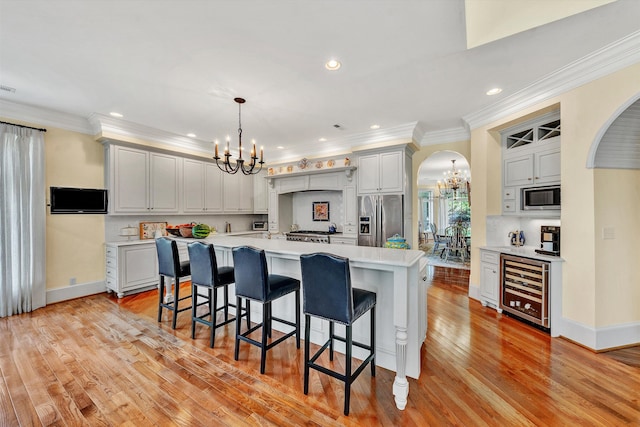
(489, 278)
(353, 241)
(131, 267)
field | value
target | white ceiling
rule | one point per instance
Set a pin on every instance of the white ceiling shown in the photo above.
(176, 66)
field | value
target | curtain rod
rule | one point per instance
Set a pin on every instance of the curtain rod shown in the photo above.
(23, 126)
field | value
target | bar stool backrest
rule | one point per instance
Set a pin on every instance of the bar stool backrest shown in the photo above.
(326, 287)
(252, 276)
(204, 266)
(168, 258)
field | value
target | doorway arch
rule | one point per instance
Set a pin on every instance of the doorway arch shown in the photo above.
(432, 208)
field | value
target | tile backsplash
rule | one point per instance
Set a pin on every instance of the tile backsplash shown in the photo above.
(303, 209)
(499, 227)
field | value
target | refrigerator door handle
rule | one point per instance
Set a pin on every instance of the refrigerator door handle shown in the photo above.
(380, 223)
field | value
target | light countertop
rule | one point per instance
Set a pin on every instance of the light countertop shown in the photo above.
(365, 254)
(524, 251)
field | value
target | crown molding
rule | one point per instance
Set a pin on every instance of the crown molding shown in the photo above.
(611, 58)
(111, 128)
(445, 136)
(44, 117)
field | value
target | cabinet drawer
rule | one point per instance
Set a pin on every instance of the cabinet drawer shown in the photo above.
(111, 283)
(111, 272)
(491, 257)
(350, 229)
(112, 252)
(509, 206)
(509, 194)
(111, 262)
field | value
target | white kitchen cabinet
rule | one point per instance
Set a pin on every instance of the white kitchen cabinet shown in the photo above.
(131, 267)
(273, 211)
(489, 278)
(260, 194)
(343, 240)
(381, 172)
(540, 167)
(143, 181)
(237, 193)
(350, 202)
(201, 187)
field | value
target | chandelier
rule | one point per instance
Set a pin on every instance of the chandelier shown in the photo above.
(455, 182)
(239, 162)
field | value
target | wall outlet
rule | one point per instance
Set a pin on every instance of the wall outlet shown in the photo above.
(72, 281)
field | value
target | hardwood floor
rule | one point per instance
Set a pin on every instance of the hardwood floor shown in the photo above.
(103, 361)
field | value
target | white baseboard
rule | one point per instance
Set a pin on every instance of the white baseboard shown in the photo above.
(599, 339)
(75, 291)
(474, 292)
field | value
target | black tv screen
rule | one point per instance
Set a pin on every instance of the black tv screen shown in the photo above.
(65, 200)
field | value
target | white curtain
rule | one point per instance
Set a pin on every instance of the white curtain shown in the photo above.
(22, 220)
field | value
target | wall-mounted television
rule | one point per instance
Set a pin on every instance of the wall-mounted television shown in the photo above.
(66, 200)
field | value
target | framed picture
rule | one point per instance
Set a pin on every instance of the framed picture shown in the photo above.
(321, 211)
(148, 229)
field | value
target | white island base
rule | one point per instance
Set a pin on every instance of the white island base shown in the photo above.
(396, 276)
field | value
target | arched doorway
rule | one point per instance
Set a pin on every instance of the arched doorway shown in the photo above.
(440, 209)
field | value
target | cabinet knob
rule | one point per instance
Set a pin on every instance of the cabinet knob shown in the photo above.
(537, 177)
(529, 179)
(508, 206)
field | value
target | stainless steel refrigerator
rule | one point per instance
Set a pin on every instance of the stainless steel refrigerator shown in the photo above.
(380, 217)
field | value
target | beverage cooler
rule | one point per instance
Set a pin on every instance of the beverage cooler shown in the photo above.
(524, 288)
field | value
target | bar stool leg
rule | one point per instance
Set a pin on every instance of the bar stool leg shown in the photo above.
(175, 302)
(194, 314)
(213, 303)
(226, 303)
(238, 322)
(331, 335)
(266, 332)
(347, 391)
(373, 341)
(161, 293)
(307, 345)
(297, 319)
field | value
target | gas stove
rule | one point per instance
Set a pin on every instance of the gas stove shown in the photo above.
(308, 236)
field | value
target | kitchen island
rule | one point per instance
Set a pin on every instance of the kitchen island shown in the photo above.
(397, 276)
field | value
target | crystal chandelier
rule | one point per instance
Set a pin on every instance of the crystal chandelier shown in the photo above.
(239, 166)
(455, 182)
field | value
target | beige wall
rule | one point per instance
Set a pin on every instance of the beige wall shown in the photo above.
(617, 200)
(589, 202)
(75, 243)
(419, 156)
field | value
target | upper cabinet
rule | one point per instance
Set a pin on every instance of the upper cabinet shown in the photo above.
(150, 182)
(260, 194)
(201, 187)
(381, 172)
(238, 193)
(142, 181)
(531, 158)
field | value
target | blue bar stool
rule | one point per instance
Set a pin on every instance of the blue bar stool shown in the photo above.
(254, 283)
(328, 295)
(169, 266)
(206, 274)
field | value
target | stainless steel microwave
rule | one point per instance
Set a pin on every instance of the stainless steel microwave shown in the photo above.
(540, 198)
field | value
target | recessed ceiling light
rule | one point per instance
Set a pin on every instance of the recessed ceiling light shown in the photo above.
(114, 114)
(191, 135)
(322, 139)
(494, 91)
(279, 147)
(374, 126)
(332, 65)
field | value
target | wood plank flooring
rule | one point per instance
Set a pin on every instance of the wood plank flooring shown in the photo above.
(103, 361)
